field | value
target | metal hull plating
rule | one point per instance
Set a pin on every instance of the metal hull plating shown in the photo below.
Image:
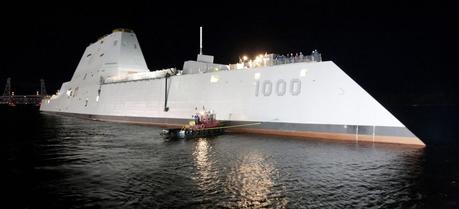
(314, 100)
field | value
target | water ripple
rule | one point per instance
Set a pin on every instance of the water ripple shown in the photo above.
(80, 163)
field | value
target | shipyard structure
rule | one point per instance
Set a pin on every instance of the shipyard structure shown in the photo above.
(295, 95)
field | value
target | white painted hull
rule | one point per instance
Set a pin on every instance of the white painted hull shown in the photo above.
(318, 93)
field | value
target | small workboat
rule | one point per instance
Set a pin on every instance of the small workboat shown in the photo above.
(204, 124)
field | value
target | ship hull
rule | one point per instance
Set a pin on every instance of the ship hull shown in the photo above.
(350, 133)
(305, 99)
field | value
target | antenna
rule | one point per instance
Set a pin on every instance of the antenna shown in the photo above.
(7, 91)
(200, 40)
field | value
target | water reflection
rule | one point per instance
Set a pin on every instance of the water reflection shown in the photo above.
(206, 176)
(251, 181)
(79, 162)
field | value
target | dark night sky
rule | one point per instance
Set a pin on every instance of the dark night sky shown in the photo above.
(401, 53)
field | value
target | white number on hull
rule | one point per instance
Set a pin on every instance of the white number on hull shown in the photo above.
(280, 87)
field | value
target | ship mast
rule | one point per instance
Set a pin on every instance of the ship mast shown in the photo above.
(200, 40)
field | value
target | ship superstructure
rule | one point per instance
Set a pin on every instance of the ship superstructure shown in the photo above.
(294, 95)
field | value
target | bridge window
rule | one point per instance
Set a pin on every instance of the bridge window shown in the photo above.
(101, 55)
(88, 55)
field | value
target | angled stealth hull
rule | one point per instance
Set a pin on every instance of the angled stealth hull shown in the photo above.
(306, 99)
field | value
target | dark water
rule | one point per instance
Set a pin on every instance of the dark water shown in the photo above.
(62, 162)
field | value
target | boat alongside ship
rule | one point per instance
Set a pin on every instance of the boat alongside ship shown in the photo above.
(204, 124)
(296, 95)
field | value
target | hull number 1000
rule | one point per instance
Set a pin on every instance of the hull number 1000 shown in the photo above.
(280, 87)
